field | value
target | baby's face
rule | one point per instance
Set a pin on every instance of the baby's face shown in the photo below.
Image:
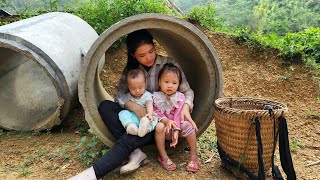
(169, 83)
(137, 86)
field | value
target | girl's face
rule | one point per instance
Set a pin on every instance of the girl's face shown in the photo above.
(145, 54)
(137, 86)
(169, 83)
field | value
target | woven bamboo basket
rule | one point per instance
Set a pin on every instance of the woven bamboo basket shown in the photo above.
(236, 134)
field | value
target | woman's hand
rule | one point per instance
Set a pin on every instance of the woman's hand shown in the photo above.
(185, 114)
(137, 109)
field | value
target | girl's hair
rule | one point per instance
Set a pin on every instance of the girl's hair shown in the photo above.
(133, 73)
(170, 67)
(133, 41)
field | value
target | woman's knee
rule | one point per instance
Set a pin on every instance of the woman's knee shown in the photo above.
(107, 106)
(133, 142)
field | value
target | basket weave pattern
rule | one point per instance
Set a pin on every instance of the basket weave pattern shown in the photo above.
(236, 134)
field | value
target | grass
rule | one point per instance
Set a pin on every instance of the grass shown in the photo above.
(313, 114)
(207, 144)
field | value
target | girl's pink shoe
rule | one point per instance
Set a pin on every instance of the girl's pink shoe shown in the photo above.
(193, 166)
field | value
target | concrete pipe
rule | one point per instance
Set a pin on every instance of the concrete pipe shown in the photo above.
(182, 41)
(40, 62)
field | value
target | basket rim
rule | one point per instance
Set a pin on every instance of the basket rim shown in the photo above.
(282, 107)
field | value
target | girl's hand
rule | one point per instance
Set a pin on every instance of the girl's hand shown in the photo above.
(170, 124)
(175, 136)
(185, 114)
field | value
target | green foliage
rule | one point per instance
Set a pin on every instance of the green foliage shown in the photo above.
(279, 17)
(187, 5)
(91, 150)
(305, 43)
(302, 47)
(205, 15)
(291, 16)
(33, 7)
(101, 14)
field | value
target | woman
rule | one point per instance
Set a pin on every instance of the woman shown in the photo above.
(142, 55)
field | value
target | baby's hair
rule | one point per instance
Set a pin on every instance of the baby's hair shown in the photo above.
(170, 67)
(133, 73)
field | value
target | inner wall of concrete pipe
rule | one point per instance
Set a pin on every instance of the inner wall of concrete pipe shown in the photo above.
(182, 41)
(23, 87)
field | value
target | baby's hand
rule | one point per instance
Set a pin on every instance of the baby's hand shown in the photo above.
(149, 116)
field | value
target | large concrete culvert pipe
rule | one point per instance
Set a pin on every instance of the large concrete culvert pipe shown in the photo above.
(181, 40)
(40, 62)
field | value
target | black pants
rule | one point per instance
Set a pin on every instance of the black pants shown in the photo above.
(125, 143)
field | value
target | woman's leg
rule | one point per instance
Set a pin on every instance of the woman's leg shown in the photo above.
(125, 143)
(120, 152)
(109, 111)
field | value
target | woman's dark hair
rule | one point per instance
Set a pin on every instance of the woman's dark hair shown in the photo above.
(171, 68)
(133, 41)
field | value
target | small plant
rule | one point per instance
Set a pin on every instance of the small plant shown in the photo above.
(91, 151)
(25, 172)
(287, 74)
(294, 145)
(207, 144)
(313, 114)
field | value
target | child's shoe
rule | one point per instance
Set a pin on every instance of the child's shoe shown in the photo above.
(144, 126)
(132, 129)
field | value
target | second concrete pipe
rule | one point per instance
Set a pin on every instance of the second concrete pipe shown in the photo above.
(40, 60)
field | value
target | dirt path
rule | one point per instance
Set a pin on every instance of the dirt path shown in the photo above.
(246, 72)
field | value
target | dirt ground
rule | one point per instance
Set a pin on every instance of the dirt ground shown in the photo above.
(247, 72)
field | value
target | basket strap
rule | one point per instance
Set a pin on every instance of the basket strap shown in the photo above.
(261, 174)
(285, 155)
(276, 174)
(227, 159)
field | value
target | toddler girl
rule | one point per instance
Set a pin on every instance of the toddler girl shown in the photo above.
(168, 104)
(136, 82)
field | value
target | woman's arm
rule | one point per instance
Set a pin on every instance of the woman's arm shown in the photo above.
(122, 90)
(185, 88)
(137, 109)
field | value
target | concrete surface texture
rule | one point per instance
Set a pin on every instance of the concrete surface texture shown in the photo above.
(182, 41)
(40, 62)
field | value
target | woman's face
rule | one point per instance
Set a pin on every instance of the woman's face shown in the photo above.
(145, 54)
